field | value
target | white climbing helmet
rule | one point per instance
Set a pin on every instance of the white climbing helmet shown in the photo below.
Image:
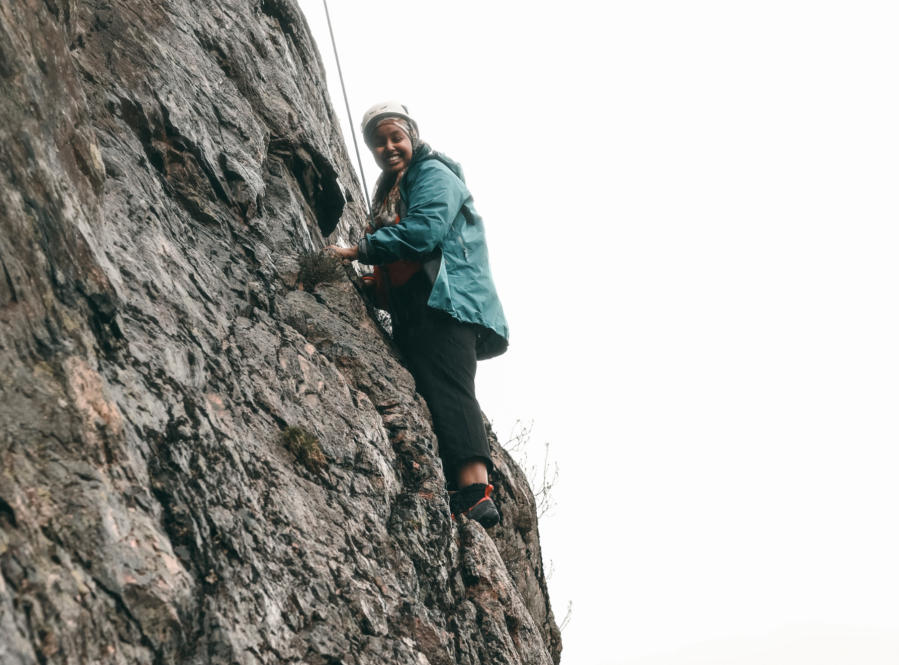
(383, 110)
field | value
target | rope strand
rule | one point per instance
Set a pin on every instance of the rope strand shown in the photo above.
(349, 116)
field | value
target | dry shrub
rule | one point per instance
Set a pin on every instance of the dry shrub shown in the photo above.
(541, 478)
(318, 268)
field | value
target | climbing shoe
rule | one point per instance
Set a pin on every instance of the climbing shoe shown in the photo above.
(474, 502)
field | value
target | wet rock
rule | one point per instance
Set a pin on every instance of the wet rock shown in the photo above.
(164, 165)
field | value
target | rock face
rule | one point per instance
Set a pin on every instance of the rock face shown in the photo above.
(167, 170)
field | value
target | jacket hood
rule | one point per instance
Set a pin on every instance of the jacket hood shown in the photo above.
(424, 152)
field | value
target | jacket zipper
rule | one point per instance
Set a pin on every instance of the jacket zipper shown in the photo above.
(464, 248)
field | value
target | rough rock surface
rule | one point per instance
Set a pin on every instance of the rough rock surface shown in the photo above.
(165, 167)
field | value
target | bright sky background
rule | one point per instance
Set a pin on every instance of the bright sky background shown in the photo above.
(693, 217)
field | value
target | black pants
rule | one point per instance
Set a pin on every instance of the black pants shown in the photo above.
(440, 353)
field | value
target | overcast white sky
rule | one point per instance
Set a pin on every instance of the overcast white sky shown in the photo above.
(693, 217)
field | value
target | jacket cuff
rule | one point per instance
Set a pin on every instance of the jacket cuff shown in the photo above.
(364, 252)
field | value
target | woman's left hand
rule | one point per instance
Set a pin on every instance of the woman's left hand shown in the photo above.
(351, 254)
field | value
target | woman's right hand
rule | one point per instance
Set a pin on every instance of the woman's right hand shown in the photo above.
(368, 230)
(344, 253)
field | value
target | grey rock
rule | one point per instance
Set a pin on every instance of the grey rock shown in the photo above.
(164, 165)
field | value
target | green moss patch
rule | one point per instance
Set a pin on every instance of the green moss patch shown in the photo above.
(305, 447)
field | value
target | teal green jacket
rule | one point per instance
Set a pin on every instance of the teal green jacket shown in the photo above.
(440, 215)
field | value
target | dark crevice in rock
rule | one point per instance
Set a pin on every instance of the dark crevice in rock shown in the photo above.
(316, 176)
(288, 17)
(7, 516)
(187, 174)
(7, 290)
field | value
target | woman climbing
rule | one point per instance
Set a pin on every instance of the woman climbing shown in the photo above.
(434, 277)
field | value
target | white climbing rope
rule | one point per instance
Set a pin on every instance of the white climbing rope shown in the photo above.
(349, 116)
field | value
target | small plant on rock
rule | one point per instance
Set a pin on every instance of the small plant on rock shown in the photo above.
(541, 479)
(318, 268)
(305, 447)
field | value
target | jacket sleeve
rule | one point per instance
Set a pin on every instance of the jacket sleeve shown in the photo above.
(435, 199)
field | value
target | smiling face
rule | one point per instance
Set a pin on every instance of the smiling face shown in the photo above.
(391, 147)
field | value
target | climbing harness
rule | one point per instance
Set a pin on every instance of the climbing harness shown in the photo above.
(349, 116)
